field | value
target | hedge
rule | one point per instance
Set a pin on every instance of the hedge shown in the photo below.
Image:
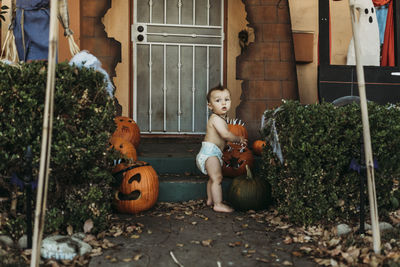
(318, 142)
(80, 176)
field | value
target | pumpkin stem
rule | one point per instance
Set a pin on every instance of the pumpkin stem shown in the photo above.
(249, 174)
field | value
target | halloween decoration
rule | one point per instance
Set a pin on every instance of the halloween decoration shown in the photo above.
(127, 129)
(235, 158)
(138, 190)
(249, 193)
(368, 33)
(258, 147)
(123, 146)
(237, 127)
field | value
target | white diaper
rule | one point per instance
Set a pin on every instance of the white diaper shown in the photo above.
(207, 150)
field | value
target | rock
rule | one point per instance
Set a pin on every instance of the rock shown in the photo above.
(63, 247)
(383, 226)
(23, 242)
(343, 229)
(6, 240)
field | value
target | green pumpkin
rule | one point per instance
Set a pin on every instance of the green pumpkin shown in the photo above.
(249, 193)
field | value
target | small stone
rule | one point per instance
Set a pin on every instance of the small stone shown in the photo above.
(23, 242)
(63, 247)
(343, 229)
(384, 226)
(6, 240)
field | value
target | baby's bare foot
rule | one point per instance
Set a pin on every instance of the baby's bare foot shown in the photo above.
(222, 208)
(209, 202)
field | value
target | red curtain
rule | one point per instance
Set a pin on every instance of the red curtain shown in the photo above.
(388, 43)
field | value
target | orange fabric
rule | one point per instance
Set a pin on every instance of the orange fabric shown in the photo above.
(388, 43)
(380, 2)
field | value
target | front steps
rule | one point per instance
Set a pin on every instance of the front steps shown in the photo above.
(179, 178)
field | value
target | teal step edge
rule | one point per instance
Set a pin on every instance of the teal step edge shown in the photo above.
(176, 165)
(180, 191)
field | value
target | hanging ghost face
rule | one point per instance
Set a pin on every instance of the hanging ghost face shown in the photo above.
(368, 34)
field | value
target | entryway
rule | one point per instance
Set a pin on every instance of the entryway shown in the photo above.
(177, 58)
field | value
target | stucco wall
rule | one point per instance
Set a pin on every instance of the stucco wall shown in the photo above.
(341, 31)
(119, 11)
(304, 17)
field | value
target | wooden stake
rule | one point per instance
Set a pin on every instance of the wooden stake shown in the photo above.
(46, 137)
(366, 133)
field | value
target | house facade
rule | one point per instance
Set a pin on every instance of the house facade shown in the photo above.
(164, 55)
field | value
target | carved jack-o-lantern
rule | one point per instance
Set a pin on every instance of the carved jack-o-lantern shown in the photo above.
(235, 158)
(138, 190)
(127, 129)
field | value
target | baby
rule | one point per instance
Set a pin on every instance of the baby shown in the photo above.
(209, 159)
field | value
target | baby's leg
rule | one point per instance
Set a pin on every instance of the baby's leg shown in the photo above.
(213, 168)
(209, 196)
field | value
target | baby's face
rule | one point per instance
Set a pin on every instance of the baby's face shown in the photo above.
(220, 102)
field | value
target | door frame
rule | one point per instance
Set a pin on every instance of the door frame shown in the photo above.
(132, 67)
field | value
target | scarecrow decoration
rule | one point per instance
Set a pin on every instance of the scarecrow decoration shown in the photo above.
(27, 37)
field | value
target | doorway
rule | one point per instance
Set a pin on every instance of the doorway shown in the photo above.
(177, 56)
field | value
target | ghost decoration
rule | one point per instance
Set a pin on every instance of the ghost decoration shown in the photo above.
(368, 30)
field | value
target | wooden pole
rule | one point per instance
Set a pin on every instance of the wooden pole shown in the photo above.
(41, 197)
(369, 162)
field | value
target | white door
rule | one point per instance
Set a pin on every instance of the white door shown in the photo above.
(177, 57)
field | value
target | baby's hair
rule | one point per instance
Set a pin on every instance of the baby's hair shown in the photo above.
(217, 88)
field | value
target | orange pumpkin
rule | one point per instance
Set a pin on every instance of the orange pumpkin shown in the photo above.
(127, 129)
(258, 146)
(123, 146)
(237, 128)
(139, 187)
(235, 158)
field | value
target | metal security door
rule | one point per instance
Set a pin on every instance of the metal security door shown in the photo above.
(178, 57)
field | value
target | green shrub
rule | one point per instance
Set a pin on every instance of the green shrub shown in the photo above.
(83, 123)
(318, 143)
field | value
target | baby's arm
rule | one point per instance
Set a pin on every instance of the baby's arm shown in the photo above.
(222, 128)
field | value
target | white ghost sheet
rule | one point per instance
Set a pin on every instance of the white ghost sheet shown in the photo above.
(368, 31)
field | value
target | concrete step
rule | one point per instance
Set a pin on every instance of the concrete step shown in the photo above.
(178, 188)
(181, 165)
(174, 161)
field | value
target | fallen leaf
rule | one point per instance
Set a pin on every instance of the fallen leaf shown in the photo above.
(135, 236)
(179, 245)
(206, 243)
(287, 263)
(137, 257)
(288, 240)
(127, 260)
(297, 254)
(70, 230)
(88, 226)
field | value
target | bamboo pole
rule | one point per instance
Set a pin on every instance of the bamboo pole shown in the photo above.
(41, 197)
(366, 132)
